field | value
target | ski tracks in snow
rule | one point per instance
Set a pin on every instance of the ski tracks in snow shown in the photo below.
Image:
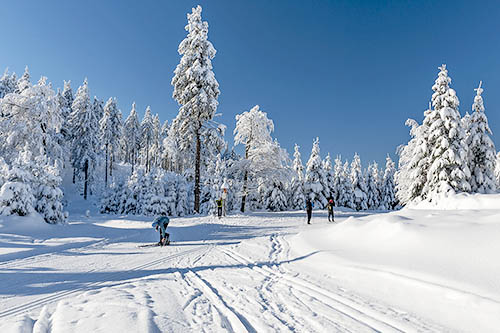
(46, 300)
(304, 305)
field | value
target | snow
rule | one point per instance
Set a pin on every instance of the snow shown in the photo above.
(418, 269)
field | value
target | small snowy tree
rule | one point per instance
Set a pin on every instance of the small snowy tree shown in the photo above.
(315, 178)
(24, 81)
(388, 191)
(297, 197)
(16, 194)
(447, 151)
(372, 182)
(413, 163)
(196, 90)
(132, 136)
(47, 192)
(358, 184)
(482, 152)
(8, 83)
(329, 178)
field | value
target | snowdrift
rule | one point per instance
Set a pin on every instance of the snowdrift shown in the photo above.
(445, 262)
(461, 201)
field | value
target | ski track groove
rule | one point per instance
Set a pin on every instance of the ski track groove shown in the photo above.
(360, 313)
(39, 302)
(235, 321)
(386, 311)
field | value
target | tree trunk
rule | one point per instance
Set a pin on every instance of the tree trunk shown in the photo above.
(85, 184)
(111, 164)
(244, 197)
(147, 155)
(197, 174)
(74, 175)
(245, 180)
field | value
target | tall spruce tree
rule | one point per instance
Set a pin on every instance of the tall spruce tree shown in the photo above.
(85, 129)
(315, 180)
(447, 151)
(147, 138)
(196, 90)
(482, 152)
(297, 197)
(132, 137)
(111, 128)
(388, 191)
(358, 184)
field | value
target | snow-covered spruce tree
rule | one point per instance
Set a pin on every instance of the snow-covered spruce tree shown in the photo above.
(147, 138)
(411, 175)
(497, 171)
(24, 81)
(132, 137)
(16, 194)
(253, 129)
(196, 90)
(329, 177)
(47, 192)
(297, 197)
(65, 102)
(358, 184)
(315, 178)
(339, 183)
(110, 130)
(85, 129)
(482, 152)
(388, 199)
(372, 183)
(155, 142)
(448, 167)
(273, 179)
(164, 158)
(8, 83)
(155, 201)
(349, 194)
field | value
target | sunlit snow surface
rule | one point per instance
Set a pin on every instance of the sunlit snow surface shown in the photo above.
(424, 269)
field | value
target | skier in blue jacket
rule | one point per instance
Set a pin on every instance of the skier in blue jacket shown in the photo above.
(161, 223)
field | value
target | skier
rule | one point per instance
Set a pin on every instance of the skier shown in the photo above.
(161, 223)
(219, 207)
(329, 206)
(309, 208)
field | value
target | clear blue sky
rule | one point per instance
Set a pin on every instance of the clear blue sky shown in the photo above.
(350, 72)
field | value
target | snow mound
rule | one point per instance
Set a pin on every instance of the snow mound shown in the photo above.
(447, 259)
(461, 201)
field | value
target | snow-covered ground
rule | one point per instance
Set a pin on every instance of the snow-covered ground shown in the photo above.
(421, 269)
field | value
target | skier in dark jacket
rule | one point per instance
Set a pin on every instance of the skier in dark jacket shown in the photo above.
(161, 223)
(329, 206)
(219, 207)
(309, 209)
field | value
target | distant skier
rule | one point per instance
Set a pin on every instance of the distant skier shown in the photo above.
(329, 206)
(161, 223)
(309, 209)
(219, 207)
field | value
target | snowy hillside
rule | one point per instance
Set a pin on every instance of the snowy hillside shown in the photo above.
(412, 270)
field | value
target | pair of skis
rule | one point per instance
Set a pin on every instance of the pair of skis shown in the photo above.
(155, 244)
